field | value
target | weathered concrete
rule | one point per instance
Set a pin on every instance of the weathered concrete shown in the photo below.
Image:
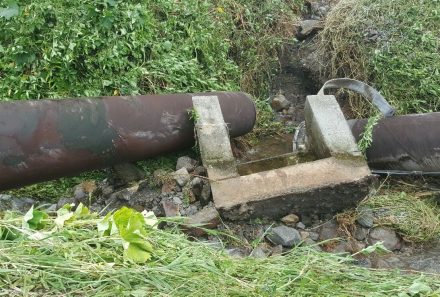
(328, 133)
(338, 181)
(213, 138)
(320, 187)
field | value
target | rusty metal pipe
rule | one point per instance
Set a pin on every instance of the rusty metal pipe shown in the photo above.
(408, 144)
(47, 139)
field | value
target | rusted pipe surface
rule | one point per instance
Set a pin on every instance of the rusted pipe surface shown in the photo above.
(403, 143)
(46, 139)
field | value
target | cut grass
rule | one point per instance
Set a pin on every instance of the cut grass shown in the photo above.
(75, 261)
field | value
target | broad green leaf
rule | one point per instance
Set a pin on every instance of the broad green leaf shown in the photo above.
(150, 219)
(131, 227)
(418, 288)
(377, 247)
(82, 211)
(138, 253)
(63, 215)
(34, 219)
(9, 11)
(105, 225)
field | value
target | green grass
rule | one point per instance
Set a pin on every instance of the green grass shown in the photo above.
(76, 261)
(416, 219)
(403, 62)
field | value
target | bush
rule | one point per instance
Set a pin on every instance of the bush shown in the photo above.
(392, 44)
(54, 49)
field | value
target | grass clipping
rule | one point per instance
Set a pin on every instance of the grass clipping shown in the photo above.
(76, 256)
(415, 219)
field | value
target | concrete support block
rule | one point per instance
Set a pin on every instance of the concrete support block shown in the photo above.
(328, 133)
(213, 138)
(319, 187)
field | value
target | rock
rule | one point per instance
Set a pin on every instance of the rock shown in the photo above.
(205, 194)
(306, 220)
(168, 187)
(304, 234)
(258, 252)
(107, 190)
(290, 219)
(80, 196)
(291, 111)
(128, 172)
(364, 262)
(300, 225)
(277, 250)
(279, 102)
(207, 218)
(236, 253)
(181, 176)
(8, 202)
(318, 9)
(214, 244)
(125, 194)
(309, 27)
(65, 200)
(389, 262)
(187, 163)
(191, 209)
(429, 265)
(355, 246)
(365, 217)
(311, 243)
(196, 182)
(285, 236)
(170, 208)
(196, 187)
(329, 231)
(360, 233)
(200, 171)
(160, 177)
(338, 248)
(314, 236)
(389, 238)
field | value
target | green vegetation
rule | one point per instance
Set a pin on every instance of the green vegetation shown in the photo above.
(416, 219)
(392, 44)
(80, 258)
(53, 49)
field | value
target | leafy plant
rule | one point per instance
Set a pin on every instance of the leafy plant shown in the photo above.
(34, 219)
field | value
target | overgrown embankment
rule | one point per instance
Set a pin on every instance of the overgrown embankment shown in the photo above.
(53, 49)
(392, 44)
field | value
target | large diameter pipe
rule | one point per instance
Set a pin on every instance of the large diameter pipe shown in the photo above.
(47, 139)
(408, 143)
